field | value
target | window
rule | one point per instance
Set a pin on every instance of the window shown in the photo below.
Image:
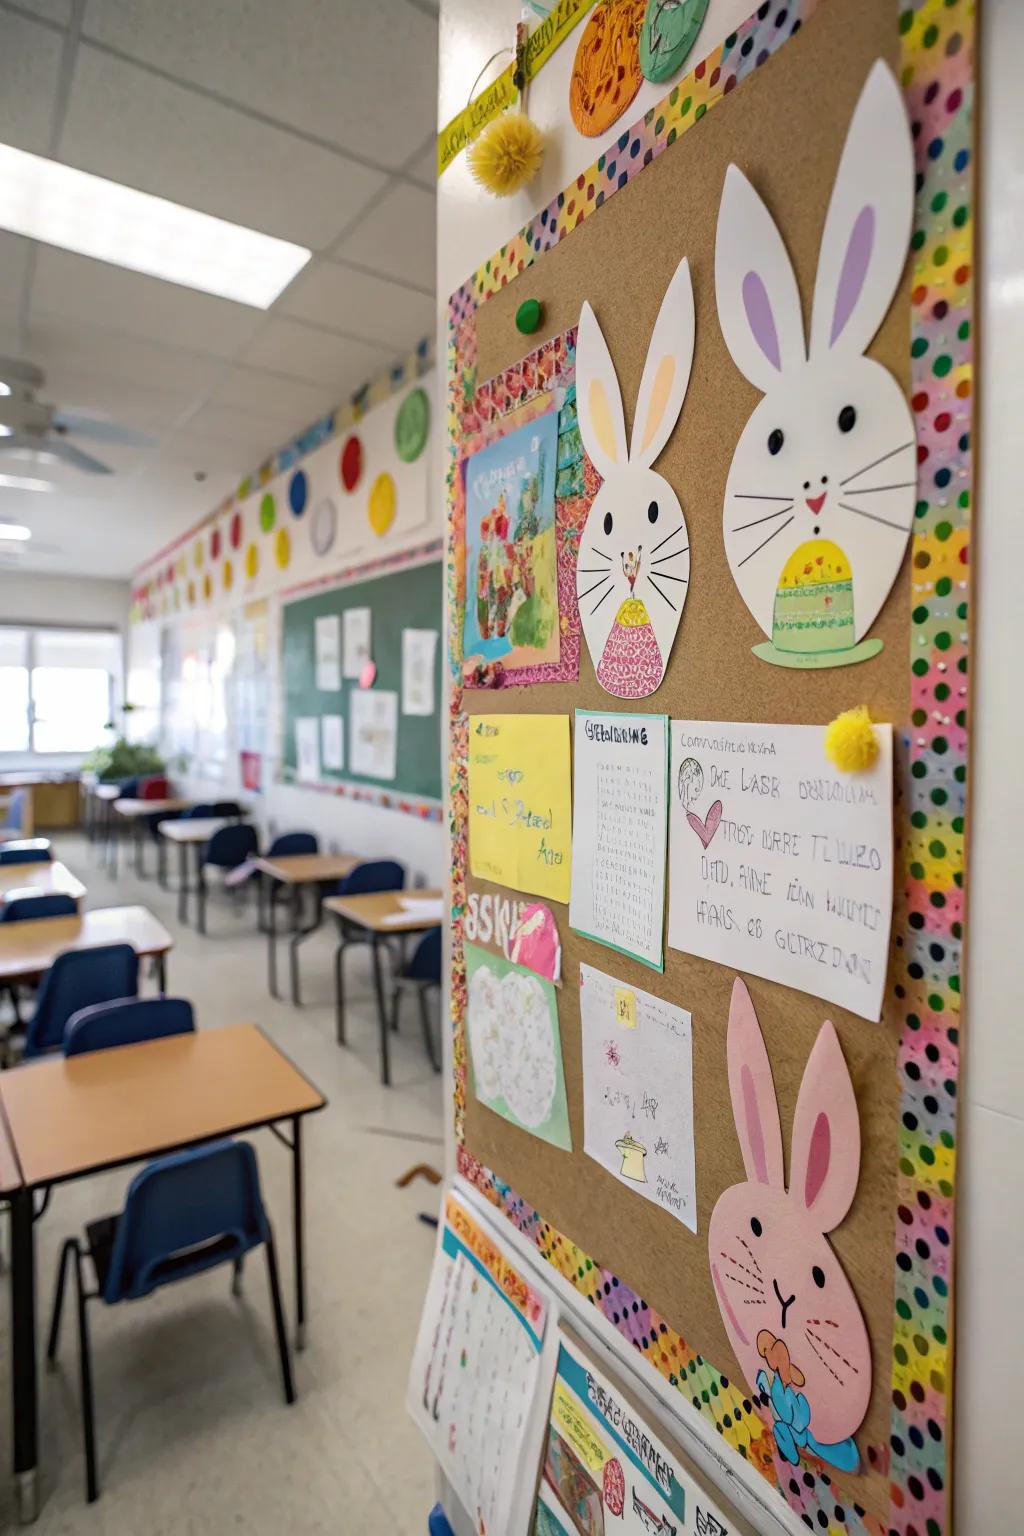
(57, 689)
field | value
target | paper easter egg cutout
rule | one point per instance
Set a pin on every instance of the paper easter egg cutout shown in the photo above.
(633, 570)
(606, 70)
(820, 496)
(669, 31)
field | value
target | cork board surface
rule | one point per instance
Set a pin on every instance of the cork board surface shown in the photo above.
(785, 126)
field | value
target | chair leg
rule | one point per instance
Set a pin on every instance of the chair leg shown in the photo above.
(92, 1491)
(236, 1278)
(339, 991)
(428, 1033)
(58, 1302)
(279, 1328)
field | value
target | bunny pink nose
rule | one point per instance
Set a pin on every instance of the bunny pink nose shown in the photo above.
(816, 502)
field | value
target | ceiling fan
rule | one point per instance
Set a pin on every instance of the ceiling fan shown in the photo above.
(32, 429)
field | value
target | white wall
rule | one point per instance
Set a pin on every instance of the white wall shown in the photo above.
(989, 1470)
(29, 598)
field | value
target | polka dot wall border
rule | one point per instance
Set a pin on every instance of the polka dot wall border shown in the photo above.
(936, 40)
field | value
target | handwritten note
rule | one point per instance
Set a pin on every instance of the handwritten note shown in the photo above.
(419, 648)
(358, 624)
(327, 638)
(332, 742)
(638, 1091)
(618, 843)
(780, 864)
(373, 732)
(520, 816)
(307, 750)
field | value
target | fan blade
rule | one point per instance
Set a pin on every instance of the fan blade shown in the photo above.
(81, 424)
(75, 457)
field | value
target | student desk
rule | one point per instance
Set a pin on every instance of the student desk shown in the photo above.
(192, 832)
(97, 814)
(295, 871)
(67, 1117)
(28, 949)
(132, 813)
(41, 880)
(381, 916)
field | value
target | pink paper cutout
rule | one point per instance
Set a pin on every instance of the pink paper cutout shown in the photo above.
(707, 828)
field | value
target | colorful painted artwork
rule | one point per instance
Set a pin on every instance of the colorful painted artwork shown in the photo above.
(606, 71)
(769, 1251)
(512, 611)
(820, 496)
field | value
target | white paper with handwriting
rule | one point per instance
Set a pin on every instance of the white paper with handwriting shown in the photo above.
(780, 865)
(638, 1091)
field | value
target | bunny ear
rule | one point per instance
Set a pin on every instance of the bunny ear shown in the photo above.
(754, 1105)
(867, 229)
(666, 371)
(598, 398)
(826, 1135)
(758, 300)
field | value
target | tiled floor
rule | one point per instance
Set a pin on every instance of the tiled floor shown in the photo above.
(193, 1433)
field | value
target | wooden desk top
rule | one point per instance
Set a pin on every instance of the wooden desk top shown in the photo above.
(193, 829)
(77, 1114)
(301, 868)
(370, 911)
(40, 879)
(30, 948)
(131, 807)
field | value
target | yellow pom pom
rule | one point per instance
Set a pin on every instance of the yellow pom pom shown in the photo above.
(850, 741)
(507, 154)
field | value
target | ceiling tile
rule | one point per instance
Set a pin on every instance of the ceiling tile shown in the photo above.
(14, 258)
(325, 72)
(344, 366)
(269, 394)
(139, 306)
(424, 168)
(397, 237)
(58, 11)
(369, 307)
(254, 437)
(57, 343)
(30, 57)
(127, 124)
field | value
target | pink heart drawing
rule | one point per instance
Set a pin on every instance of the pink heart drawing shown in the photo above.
(707, 828)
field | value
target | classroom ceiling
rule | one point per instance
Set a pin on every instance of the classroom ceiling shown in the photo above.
(312, 120)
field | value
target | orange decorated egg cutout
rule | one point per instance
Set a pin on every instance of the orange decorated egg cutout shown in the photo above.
(606, 72)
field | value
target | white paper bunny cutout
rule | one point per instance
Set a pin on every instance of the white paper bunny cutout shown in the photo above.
(634, 563)
(820, 496)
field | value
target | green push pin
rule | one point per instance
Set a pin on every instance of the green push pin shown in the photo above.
(529, 316)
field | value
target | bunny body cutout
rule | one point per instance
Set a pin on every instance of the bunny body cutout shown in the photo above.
(820, 496)
(787, 1305)
(633, 570)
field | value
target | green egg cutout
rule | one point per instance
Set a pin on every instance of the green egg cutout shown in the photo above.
(411, 426)
(669, 32)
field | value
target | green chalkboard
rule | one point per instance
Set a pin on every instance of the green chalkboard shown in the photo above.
(409, 597)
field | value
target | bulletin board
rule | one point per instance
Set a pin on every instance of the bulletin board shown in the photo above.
(776, 98)
(401, 594)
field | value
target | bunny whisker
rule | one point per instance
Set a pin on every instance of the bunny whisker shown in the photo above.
(874, 518)
(601, 599)
(766, 519)
(664, 576)
(824, 1362)
(581, 595)
(753, 1301)
(675, 554)
(751, 1254)
(773, 535)
(827, 1322)
(848, 1363)
(873, 490)
(730, 1260)
(668, 536)
(875, 462)
(753, 496)
(591, 570)
(599, 552)
(660, 593)
(737, 1281)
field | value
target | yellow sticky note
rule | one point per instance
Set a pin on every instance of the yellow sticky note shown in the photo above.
(570, 1418)
(520, 804)
(625, 1007)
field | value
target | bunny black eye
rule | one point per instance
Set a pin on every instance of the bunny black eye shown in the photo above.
(818, 1276)
(775, 441)
(847, 419)
(652, 512)
(755, 1226)
(607, 522)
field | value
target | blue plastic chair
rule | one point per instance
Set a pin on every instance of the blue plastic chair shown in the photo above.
(226, 808)
(199, 812)
(128, 1021)
(286, 845)
(183, 1215)
(26, 850)
(229, 847)
(129, 788)
(366, 879)
(421, 974)
(23, 906)
(77, 978)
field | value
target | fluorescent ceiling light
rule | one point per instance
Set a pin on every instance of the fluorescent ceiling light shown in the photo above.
(15, 531)
(6, 431)
(94, 217)
(24, 483)
(5, 389)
